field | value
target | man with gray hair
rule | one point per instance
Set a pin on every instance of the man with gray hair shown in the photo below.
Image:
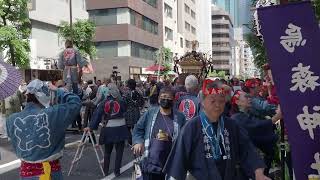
(189, 103)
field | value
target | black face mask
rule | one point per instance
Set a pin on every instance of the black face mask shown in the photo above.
(166, 103)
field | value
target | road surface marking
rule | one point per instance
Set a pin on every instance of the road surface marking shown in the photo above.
(10, 166)
(16, 163)
(122, 170)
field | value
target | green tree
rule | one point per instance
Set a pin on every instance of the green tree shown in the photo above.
(258, 49)
(82, 34)
(317, 8)
(15, 29)
(164, 57)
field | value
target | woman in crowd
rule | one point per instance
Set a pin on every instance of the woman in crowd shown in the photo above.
(260, 131)
(212, 146)
(134, 102)
(155, 133)
(114, 131)
(153, 93)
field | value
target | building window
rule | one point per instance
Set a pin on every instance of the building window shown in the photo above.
(220, 17)
(152, 3)
(219, 62)
(135, 70)
(193, 30)
(133, 17)
(193, 14)
(220, 35)
(168, 33)
(107, 49)
(103, 17)
(143, 51)
(187, 26)
(220, 44)
(187, 9)
(188, 44)
(181, 42)
(149, 25)
(220, 26)
(168, 10)
(221, 53)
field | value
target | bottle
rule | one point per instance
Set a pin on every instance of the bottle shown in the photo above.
(162, 136)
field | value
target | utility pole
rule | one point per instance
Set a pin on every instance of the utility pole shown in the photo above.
(70, 11)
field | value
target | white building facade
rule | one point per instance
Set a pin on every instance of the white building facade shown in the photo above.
(46, 16)
(181, 25)
(204, 30)
(171, 36)
(187, 23)
(222, 40)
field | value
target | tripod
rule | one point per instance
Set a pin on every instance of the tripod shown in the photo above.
(81, 146)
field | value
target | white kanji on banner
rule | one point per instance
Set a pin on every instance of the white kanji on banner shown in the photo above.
(302, 78)
(309, 121)
(293, 39)
(316, 164)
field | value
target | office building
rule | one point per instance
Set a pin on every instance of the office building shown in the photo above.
(232, 7)
(128, 34)
(222, 40)
(187, 23)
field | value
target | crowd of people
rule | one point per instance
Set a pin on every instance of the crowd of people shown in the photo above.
(187, 128)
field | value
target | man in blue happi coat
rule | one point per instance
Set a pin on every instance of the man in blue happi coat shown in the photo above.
(38, 132)
(212, 146)
(189, 103)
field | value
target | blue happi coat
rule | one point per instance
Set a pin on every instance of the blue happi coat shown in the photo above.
(38, 134)
(189, 154)
(68, 61)
(260, 131)
(100, 111)
(142, 131)
(189, 105)
(261, 108)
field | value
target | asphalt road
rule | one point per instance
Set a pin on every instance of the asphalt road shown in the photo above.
(87, 169)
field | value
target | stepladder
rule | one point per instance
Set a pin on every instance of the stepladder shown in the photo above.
(86, 136)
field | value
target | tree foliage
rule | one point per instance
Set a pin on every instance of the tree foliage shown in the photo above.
(317, 8)
(164, 57)
(165, 54)
(215, 73)
(15, 29)
(82, 34)
(258, 49)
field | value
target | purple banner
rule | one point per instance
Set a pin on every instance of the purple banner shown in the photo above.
(292, 38)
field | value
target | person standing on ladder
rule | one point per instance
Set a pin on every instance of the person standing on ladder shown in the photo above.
(71, 62)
